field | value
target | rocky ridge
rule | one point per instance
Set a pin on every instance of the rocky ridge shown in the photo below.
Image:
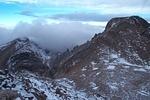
(113, 65)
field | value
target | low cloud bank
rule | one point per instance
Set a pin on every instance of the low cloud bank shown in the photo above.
(52, 36)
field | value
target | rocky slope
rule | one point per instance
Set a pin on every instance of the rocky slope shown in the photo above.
(113, 65)
(26, 74)
(28, 86)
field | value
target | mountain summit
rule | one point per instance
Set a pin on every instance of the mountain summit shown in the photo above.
(113, 65)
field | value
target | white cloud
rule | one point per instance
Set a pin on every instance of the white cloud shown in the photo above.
(119, 9)
(99, 6)
(57, 36)
(84, 2)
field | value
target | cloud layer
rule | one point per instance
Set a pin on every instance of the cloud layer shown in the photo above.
(83, 2)
(68, 17)
(97, 10)
(85, 17)
(67, 10)
(52, 36)
(95, 6)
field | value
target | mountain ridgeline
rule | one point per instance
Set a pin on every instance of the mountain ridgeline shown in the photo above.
(113, 65)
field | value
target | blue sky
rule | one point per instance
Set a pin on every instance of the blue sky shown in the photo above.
(15, 11)
(61, 24)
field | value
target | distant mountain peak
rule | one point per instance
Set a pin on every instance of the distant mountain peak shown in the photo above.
(25, 54)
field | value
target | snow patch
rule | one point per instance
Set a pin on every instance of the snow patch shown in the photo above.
(95, 68)
(113, 86)
(111, 67)
(144, 93)
(126, 67)
(140, 69)
(93, 63)
(97, 73)
(119, 60)
(84, 68)
(114, 56)
(93, 86)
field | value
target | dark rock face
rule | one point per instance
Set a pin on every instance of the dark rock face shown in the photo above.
(115, 63)
(126, 22)
(8, 95)
(128, 35)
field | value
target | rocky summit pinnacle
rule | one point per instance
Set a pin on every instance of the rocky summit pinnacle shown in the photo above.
(125, 22)
(113, 65)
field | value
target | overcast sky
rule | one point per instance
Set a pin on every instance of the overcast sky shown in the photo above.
(81, 19)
